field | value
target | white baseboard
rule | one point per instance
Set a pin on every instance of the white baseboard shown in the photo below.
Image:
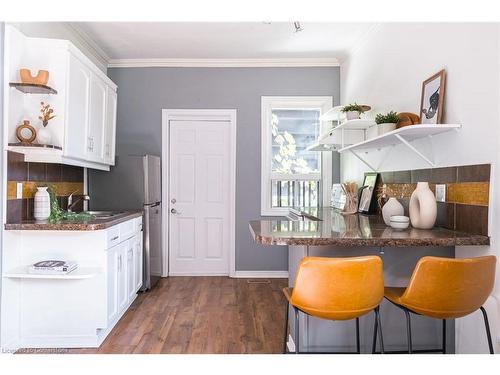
(197, 274)
(261, 274)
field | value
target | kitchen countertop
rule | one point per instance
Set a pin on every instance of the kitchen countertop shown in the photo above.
(75, 225)
(327, 226)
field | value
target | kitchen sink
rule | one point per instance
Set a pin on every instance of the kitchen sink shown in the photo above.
(104, 214)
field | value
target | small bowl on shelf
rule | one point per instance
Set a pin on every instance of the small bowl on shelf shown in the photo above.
(41, 78)
(399, 222)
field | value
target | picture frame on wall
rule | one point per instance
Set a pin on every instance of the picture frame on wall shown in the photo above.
(367, 201)
(432, 98)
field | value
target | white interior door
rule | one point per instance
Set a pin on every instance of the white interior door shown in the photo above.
(199, 197)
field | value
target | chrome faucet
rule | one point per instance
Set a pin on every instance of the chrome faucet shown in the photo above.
(72, 203)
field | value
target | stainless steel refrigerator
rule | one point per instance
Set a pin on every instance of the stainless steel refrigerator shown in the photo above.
(135, 183)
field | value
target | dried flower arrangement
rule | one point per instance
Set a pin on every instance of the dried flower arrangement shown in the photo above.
(47, 113)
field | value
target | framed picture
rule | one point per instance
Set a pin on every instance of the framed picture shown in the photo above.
(367, 203)
(431, 102)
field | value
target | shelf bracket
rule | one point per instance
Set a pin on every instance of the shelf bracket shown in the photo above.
(363, 160)
(411, 147)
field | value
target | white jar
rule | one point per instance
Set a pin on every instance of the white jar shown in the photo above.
(42, 204)
(392, 208)
(43, 136)
(423, 207)
(352, 115)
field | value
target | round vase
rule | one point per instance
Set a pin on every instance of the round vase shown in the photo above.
(423, 207)
(352, 115)
(42, 204)
(392, 208)
(386, 127)
(43, 136)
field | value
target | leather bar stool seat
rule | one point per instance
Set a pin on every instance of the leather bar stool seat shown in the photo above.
(337, 289)
(446, 288)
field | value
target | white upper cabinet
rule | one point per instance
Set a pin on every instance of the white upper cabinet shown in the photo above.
(83, 131)
(110, 126)
(95, 134)
(77, 111)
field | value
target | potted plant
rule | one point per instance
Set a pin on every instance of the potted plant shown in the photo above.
(384, 124)
(353, 111)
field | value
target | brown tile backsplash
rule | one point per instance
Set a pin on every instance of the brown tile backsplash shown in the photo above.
(474, 173)
(467, 194)
(471, 219)
(65, 178)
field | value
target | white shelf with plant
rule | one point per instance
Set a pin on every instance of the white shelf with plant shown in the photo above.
(405, 135)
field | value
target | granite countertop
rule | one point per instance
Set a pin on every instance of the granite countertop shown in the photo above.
(76, 225)
(327, 226)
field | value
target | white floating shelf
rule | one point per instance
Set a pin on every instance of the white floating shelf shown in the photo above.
(332, 115)
(358, 124)
(52, 155)
(78, 274)
(404, 135)
(322, 147)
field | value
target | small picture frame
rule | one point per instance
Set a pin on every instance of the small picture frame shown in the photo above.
(431, 101)
(367, 203)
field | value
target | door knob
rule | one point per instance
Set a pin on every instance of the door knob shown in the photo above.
(174, 211)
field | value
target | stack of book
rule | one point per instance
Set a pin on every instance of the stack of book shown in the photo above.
(52, 267)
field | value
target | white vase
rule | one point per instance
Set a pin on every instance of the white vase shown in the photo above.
(379, 129)
(43, 136)
(392, 208)
(423, 207)
(352, 115)
(42, 204)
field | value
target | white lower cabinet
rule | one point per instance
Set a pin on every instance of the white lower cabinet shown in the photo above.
(77, 310)
(124, 270)
(139, 262)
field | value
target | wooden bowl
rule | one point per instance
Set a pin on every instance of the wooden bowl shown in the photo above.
(40, 79)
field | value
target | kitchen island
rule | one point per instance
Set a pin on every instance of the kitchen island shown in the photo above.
(77, 309)
(326, 232)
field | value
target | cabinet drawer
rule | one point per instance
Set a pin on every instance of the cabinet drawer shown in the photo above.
(113, 236)
(127, 229)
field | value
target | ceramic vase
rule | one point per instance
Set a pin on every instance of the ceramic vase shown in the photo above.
(352, 115)
(42, 204)
(43, 136)
(392, 208)
(423, 207)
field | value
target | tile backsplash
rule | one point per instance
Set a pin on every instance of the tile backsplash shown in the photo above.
(467, 194)
(65, 178)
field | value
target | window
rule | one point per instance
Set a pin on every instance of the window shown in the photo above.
(291, 175)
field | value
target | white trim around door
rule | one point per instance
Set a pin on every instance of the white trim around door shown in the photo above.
(198, 115)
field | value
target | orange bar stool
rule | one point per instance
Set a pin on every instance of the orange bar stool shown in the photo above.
(337, 289)
(446, 288)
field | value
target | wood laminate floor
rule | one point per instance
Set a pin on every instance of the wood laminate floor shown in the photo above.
(202, 315)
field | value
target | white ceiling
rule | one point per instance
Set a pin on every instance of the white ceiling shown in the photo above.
(244, 40)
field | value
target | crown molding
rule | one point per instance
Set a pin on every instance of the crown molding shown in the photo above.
(219, 63)
(90, 45)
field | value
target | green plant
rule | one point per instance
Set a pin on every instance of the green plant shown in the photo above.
(353, 108)
(57, 214)
(391, 117)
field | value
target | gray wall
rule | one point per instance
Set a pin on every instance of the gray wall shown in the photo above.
(144, 92)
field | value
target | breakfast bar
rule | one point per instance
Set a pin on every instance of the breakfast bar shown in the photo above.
(326, 232)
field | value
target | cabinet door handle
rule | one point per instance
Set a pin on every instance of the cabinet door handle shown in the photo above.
(114, 238)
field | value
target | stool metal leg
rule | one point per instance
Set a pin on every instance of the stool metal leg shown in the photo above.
(375, 332)
(285, 338)
(444, 336)
(358, 345)
(379, 324)
(408, 331)
(488, 333)
(296, 336)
